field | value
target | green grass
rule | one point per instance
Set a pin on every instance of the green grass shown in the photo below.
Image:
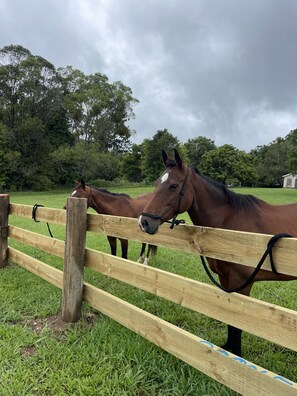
(99, 356)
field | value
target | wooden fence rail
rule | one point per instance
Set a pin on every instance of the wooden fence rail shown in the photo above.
(234, 246)
(237, 373)
(277, 324)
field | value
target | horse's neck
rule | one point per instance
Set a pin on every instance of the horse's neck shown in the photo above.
(210, 207)
(139, 203)
(106, 203)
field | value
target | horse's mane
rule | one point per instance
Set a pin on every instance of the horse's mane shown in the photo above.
(108, 192)
(236, 200)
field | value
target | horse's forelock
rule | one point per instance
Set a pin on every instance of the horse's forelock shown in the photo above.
(170, 163)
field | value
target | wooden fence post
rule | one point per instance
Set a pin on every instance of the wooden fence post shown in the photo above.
(76, 227)
(4, 211)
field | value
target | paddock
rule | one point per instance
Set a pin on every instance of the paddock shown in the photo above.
(272, 322)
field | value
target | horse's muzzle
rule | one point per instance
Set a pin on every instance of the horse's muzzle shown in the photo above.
(148, 225)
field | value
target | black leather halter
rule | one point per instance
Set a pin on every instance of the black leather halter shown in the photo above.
(174, 221)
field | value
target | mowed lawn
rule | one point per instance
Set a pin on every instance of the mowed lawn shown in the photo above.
(39, 355)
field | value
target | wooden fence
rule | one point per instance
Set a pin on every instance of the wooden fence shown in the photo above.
(277, 324)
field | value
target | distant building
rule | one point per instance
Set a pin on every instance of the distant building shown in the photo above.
(290, 180)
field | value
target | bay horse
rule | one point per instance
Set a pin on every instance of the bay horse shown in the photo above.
(210, 204)
(106, 202)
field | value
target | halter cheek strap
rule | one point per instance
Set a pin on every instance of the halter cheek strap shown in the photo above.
(174, 221)
(89, 200)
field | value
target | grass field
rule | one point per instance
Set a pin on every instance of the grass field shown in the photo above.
(39, 355)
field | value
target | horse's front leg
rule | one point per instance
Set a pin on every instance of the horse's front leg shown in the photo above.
(113, 244)
(141, 256)
(230, 281)
(124, 243)
(233, 343)
(152, 249)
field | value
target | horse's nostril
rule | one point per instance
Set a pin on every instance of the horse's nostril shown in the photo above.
(145, 225)
(148, 226)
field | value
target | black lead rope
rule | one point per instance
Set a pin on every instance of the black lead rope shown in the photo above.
(176, 222)
(268, 251)
(35, 207)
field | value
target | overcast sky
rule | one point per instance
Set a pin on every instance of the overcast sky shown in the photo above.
(223, 69)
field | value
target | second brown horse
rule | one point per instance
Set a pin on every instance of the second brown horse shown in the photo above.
(106, 202)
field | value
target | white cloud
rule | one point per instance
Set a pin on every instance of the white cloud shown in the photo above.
(260, 117)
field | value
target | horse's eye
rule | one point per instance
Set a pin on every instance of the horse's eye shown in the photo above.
(173, 187)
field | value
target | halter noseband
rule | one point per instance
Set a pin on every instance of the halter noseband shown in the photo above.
(174, 221)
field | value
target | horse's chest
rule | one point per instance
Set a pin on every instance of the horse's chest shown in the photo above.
(219, 267)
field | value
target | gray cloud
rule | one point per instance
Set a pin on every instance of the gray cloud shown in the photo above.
(221, 69)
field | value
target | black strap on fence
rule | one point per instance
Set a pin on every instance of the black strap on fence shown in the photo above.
(271, 243)
(35, 207)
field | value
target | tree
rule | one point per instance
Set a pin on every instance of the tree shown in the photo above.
(291, 164)
(4, 160)
(44, 110)
(31, 110)
(271, 162)
(97, 110)
(131, 164)
(196, 148)
(12, 77)
(228, 165)
(33, 167)
(84, 161)
(151, 163)
(31, 87)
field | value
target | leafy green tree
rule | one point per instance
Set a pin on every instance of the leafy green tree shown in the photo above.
(230, 166)
(131, 164)
(108, 167)
(33, 153)
(44, 110)
(4, 160)
(196, 148)
(57, 132)
(84, 161)
(12, 78)
(151, 163)
(291, 163)
(31, 87)
(97, 110)
(271, 162)
(31, 109)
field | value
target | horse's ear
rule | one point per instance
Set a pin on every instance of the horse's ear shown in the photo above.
(83, 184)
(178, 159)
(165, 157)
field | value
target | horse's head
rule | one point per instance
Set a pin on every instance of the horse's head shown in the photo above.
(172, 195)
(82, 190)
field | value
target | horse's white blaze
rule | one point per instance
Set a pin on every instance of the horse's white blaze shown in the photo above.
(164, 177)
(74, 193)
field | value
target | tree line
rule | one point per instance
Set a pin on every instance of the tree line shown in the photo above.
(264, 166)
(59, 124)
